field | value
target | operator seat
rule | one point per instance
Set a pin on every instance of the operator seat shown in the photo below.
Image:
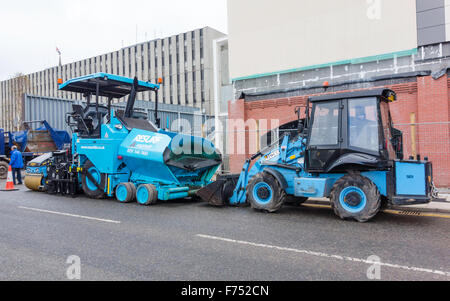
(84, 125)
(88, 124)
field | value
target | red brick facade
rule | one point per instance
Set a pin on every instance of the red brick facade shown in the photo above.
(425, 102)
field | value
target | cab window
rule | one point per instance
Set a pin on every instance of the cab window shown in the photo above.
(325, 129)
(363, 124)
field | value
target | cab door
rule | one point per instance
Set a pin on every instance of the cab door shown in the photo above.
(325, 135)
(363, 131)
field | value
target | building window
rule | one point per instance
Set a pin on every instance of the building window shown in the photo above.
(117, 63)
(136, 58)
(129, 62)
(186, 87)
(123, 62)
(149, 57)
(142, 60)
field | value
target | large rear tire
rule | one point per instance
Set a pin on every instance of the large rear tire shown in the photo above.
(3, 170)
(355, 197)
(265, 193)
(89, 188)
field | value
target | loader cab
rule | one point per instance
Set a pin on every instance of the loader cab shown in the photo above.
(100, 90)
(352, 131)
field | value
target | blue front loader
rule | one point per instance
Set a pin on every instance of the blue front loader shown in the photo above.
(345, 150)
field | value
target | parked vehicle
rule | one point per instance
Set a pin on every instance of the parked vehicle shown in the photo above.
(31, 143)
(345, 149)
(121, 154)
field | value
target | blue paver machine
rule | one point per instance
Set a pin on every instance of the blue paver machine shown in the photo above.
(121, 154)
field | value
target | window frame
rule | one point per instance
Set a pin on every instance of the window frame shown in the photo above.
(346, 131)
(339, 136)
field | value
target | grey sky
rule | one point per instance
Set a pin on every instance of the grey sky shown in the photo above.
(31, 30)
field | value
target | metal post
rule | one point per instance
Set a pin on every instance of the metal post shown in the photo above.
(97, 99)
(157, 122)
(109, 107)
(413, 135)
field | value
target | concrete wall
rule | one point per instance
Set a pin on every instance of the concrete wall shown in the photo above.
(274, 36)
(431, 21)
(428, 58)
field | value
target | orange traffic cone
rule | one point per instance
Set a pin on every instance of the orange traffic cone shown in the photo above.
(9, 182)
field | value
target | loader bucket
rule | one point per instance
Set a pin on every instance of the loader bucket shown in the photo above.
(219, 192)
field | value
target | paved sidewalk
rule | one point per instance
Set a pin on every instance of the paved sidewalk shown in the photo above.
(442, 206)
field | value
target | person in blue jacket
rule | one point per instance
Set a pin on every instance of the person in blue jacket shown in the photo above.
(16, 163)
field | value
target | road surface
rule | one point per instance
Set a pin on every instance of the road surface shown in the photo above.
(188, 240)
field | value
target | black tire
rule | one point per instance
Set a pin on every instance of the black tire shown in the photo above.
(88, 189)
(295, 201)
(150, 193)
(130, 192)
(355, 197)
(133, 188)
(3, 170)
(265, 193)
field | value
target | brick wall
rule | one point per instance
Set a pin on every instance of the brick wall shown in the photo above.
(422, 112)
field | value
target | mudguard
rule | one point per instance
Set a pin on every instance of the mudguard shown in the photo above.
(280, 178)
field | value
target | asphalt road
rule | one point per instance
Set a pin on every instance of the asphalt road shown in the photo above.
(188, 240)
